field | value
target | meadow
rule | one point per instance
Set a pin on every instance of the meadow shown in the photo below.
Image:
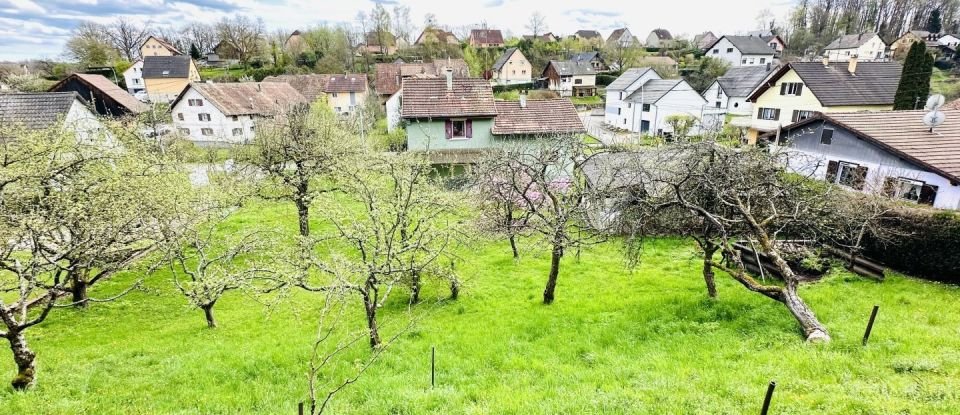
(616, 341)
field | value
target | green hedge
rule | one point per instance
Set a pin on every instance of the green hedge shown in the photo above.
(604, 79)
(513, 87)
(923, 243)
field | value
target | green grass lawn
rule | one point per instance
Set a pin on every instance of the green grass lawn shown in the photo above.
(943, 82)
(615, 342)
(212, 73)
(596, 99)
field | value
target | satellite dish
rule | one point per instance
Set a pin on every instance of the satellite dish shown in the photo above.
(934, 119)
(935, 102)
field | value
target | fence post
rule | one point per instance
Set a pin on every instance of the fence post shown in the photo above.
(873, 316)
(766, 399)
(300, 408)
(433, 365)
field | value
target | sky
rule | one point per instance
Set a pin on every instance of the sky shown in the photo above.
(40, 28)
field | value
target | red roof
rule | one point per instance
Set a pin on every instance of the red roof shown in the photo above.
(430, 98)
(540, 117)
(486, 37)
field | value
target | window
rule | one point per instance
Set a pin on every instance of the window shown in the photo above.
(334, 94)
(791, 88)
(237, 131)
(847, 174)
(729, 50)
(180, 116)
(252, 129)
(763, 60)
(206, 131)
(716, 51)
(743, 62)
(718, 104)
(719, 92)
(902, 188)
(195, 102)
(578, 81)
(251, 117)
(629, 105)
(618, 110)
(752, 61)
(771, 114)
(203, 117)
(514, 72)
(826, 137)
(185, 131)
(644, 126)
(458, 129)
(646, 107)
(736, 105)
(523, 72)
(621, 94)
(337, 109)
(235, 118)
(801, 115)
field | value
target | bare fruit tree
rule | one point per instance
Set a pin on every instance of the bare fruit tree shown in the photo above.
(298, 154)
(127, 37)
(537, 24)
(544, 179)
(242, 34)
(722, 196)
(395, 226)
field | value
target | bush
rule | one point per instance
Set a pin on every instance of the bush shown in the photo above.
(259, 73)
(926, 243)
(604, 79)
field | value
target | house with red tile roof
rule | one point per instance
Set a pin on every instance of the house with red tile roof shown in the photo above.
(485, 38)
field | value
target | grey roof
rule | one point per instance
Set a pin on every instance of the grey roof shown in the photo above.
(850, 41)
(653, 90)
(502, 60)
(629, 77)
(740, 81)
(749, 45)
(155, 67)
(875, 83)
(662, 34)
(589, 34)
(584, 56)
(35, 110)
(569, 68)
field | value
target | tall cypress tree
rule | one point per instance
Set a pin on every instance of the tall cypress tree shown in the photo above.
(194, 51)
(913, 77)
(934, 24)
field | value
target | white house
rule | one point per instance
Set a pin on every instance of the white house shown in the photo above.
(742, 51)
(133, 78)
(393, 111)
(631, 80)
(223, 114)
(887, 152)
(659, 38)
(729, 94)
(571, 78)
(949, 40)
(649, 107)
(43, 110)
(865, 46)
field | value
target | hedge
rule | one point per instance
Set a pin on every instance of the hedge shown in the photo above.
(604, 79)
(924, 243)
(512, 87)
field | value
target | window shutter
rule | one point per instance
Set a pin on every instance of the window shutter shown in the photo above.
(776, 114)
(799, 89)
(890, 187)
(783, 88)
(928, 194)
(859, 177)
(796, 116)
(832, 168)
(448, 126)
(469, 128)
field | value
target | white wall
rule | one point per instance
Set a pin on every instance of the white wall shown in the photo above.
(682, 100)
(221, 125)
(393, 110)
(87, 126)
(728, 104)
(815, 165)
(614, 101)
(869, 51)
(734, 57)
(133, 77)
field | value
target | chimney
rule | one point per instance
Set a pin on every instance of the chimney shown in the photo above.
(852, 65)
(449, 73)
(826, 62)
(769, 64)
(523, 98)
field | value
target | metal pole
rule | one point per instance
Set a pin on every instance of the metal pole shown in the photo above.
(873, 316)
(433, 366)
(766, 399)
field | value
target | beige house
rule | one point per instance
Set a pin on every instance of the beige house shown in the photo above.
(155, 46)
(344, 93)
(512, 68)
(864, 46)
(165, 77)
(571, 78)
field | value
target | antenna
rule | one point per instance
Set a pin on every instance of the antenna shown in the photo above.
(934, 102)
(934, 119)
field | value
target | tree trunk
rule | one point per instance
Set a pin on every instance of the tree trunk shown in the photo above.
(208, 313)
(370, 307)
(303, 213)
(814, 331)
(513, 246)
(454, 288)
(415, 288)
(78, 291)
(548, 292)
(24, 358)
(708, 251)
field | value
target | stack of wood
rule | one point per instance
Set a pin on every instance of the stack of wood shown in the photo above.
(758, 263)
